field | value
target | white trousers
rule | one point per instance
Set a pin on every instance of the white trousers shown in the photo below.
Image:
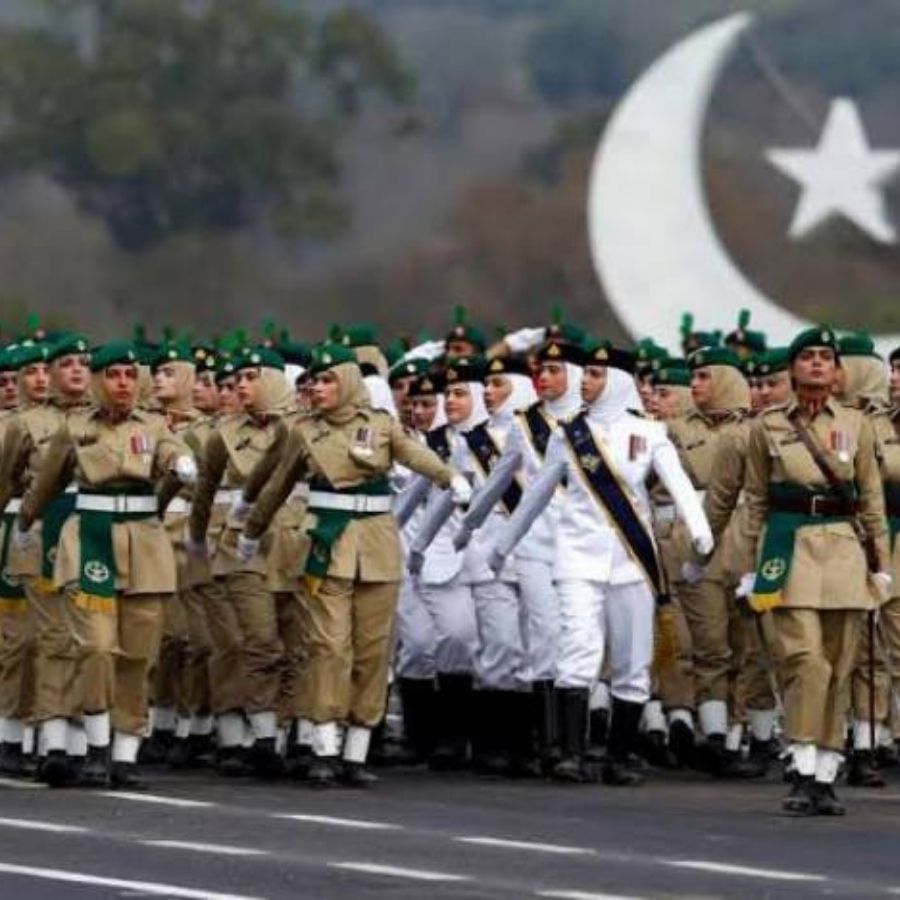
(500, 661)
(597, 616)
(415, 654)
(452, 634)
(540, 616)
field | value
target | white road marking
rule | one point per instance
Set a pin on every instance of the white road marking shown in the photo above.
(582, 895)
(34, 825)
(524, 845)
(220, 849)
(398, 872)
(20, 785)
(143, 887)
(748, 871)
(340, 823)
(157, 798)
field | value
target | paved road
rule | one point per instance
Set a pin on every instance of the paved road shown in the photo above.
(419, 835)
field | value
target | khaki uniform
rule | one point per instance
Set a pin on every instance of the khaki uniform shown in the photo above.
(886, 426)
(118, 638)
(244, 623)
(351, 614)
(709, 605)
(825, 595)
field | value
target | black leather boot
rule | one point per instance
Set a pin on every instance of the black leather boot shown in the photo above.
(54, 769)
(623, 735)
(418, 699)
(323, 773)
(826, 801)
(95, 771)
(125, 777)
(573, 718)
(801, 801)
(598, 734)
(454, 708)
(863, 770)
(491, 719)
(682, 742)
(546, 724)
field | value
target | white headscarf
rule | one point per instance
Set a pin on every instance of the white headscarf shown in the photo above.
(479, 412)
(380, 395)
(619, 395)
(570, 401)
(521, 397)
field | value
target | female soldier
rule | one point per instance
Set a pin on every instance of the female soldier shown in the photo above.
(345, 450)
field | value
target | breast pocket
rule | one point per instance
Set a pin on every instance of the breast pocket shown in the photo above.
(98, 462)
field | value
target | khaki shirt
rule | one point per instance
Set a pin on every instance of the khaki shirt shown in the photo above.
(369, 548)
(697, 438)
(886, 425)
(829, 568)
(100, 453)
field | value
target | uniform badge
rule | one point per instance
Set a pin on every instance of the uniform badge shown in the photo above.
(590, 462)
(141, 445)
(362, 444)
(773, 569)
(839, 441)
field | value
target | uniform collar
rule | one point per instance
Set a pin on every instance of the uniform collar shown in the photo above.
(830, 406)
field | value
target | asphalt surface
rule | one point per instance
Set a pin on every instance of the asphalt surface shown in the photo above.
(421, 835)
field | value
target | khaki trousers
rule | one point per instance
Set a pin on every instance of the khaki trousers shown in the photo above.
(16, 658)
(196, 681)
(708, 610)
(817, 649)
(293, 628)
(118, 645)
(168, 679)
(227, 685)
(351, 629)
(887, 671)
(261, 649)
(675, 678)
(54, 654)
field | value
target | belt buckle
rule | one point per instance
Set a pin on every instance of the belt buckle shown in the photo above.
(814, 506)
(359, 503)
(119, 505)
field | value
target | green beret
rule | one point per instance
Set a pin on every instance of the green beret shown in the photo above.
(410, 368)
(327, 356)
(463, 330)
(818, 336)
(713, 356)
(358, 335)
(27, 353)
(742, 336)
(697, 339)
(771, 362)
(566, 331)
(114, 353)
(205, 357)
(171, 351)
(6, 360)
(677, 376)
(224, 368)
(68, 344)
(258, 358)
(464, 369)
(508, 365)
(856, 343)
(294, 353)
(561, 352)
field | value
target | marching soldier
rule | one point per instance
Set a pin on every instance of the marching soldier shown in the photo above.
(345, 450)
(814, 496)
(114, 559)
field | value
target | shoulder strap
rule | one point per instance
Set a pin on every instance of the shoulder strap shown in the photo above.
(539, 429)
(486, 452)
(816, 452)
(438, 441)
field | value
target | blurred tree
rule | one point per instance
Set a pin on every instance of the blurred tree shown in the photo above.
(167, 116)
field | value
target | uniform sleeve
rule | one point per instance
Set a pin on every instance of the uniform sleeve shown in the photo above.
(212, 468)
(871, 495)
(406, 450)
(55, 473)
(668, 468)
(169, 449)
(278, 488)
(13, 461)
(267, 465)
(727, 481)
(756, 482)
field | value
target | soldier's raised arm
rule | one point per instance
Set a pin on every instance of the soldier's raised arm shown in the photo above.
(406, 450)
(55, 473)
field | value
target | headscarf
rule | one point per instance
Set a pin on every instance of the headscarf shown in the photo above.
(352, 394)
(521, 397)
(730, 390)
(570, 401)
(185, 376)
(274, 396)
(98, 391)
(380, 394)
(619, 394)
(479, 412)
(864, 380)
(370, 355)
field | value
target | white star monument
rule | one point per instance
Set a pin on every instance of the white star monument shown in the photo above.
(843, 176)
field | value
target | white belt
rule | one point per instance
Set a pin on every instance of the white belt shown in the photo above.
(179, 505)
(71, 489)
(226, 497)
(101, 503)
(13, 506)
(701, 495)
(360, 503)
(667, 512)
(300, 491)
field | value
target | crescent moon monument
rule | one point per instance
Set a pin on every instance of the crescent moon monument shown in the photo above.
(652, 239)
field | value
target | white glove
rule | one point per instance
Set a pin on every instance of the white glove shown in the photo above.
(745, 585)
(461, 490)
(240, 509)
(196, 549)
(186, 470)
(496, 561)
(23, 540)
(247, 548)
(692, 573)
(703, 545)
(883, 582)
(430, 350)
(525, 339)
